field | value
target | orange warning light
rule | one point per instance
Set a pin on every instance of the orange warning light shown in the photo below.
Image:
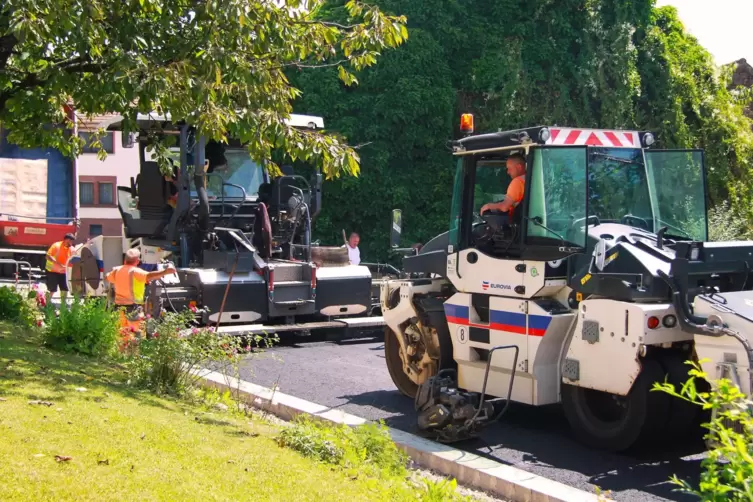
(466, 122)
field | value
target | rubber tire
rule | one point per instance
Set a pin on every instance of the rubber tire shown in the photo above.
(639, 418)
(681, 414)
(438, 320)
(404, 384)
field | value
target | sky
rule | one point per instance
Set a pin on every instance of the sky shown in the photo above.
(723, 27)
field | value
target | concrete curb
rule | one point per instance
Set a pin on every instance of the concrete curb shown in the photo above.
(467, 468)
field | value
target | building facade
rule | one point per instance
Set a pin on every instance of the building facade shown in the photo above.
(97, 185)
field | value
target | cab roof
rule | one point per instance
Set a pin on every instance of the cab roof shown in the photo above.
(113, 122)
(554, 135)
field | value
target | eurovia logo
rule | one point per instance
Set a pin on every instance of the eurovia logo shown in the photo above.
(486, 285)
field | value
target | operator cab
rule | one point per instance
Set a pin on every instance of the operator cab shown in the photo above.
(220, 191)
(548, 224)
(576, 182)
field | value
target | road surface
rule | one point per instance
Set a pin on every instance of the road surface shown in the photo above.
(352, 376)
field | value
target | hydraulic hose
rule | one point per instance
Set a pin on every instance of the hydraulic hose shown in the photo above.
(710, 326)
(201, 192)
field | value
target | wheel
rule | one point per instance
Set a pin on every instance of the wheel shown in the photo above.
(404, 384)
(437, 320)
(615, 423)
(681, 414)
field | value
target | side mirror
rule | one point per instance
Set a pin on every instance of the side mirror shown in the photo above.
(396, 229)
(127, 139)
(316, 195)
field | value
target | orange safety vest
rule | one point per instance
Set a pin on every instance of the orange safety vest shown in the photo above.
(515, 191)
(130, 284)
(61, 254)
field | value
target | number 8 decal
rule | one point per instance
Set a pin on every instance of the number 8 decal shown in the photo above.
(462, 334)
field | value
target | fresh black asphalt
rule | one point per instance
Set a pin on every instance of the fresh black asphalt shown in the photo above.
(352, 376)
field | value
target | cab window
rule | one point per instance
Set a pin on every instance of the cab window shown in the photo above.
(557, 205)
(457, 205)
(491, 182)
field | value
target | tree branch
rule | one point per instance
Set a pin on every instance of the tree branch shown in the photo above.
(32, 79)
(27, 83)
(7, 42)
(301, 65)
(86, 68)
(328, 23)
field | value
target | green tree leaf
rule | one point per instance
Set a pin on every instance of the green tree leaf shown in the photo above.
(219, 68)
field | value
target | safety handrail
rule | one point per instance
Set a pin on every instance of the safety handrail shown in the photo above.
(18, 264)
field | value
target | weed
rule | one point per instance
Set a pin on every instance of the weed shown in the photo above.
(169, 359)
(17, 307)
(728, 468)
(366, 450)
(87, 327)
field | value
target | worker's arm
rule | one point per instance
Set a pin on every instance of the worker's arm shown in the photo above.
(53, 259)
(502, 206)
(159, 274)
(53, 249)
(514, 194)
(110, 277)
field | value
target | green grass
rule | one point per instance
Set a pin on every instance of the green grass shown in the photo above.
(128, 445)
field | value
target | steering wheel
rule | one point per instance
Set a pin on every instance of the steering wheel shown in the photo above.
(495, 219)
(486, 225)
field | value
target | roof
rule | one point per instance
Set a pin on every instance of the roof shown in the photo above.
(552, 135)
(112, 121)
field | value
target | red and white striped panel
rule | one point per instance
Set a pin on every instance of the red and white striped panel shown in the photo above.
(593, 137)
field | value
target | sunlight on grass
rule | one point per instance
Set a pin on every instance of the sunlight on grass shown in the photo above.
(113, 443)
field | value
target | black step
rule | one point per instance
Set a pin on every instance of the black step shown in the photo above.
(293, 303)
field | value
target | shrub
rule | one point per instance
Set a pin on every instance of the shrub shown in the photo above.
(728, 468)
(87, 327)
(17, 307)
(726, 225)
(365, 447)
(364, 450)
(169, 358)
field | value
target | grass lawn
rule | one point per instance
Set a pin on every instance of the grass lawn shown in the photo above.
(128, 445)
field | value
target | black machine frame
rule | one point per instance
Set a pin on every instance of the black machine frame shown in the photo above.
(260, 250)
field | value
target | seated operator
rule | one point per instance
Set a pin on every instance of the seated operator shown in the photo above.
(516, 168)
(172, 186)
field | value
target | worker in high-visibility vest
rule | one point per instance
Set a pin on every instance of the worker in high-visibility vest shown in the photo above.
(57, 259)
(130, 284)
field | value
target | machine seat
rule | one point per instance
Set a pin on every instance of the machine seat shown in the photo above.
(150, 213)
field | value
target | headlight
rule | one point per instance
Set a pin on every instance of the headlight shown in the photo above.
(544, 135)
(648, 139)
(669, 321)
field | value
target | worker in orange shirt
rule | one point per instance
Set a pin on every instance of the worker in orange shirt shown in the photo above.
(516, 168)
(57, 259)
(130, 284)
